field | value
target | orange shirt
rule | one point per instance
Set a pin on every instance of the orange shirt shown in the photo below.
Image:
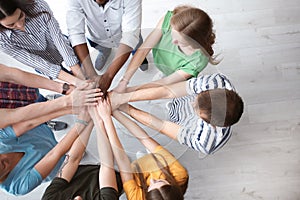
(151, 170)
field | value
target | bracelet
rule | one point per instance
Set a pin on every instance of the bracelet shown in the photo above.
(124, 79)
(80, 121)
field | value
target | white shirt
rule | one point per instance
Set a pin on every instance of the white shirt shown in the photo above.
(118, 22)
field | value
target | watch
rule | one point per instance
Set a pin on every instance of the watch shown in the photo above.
(66, 87)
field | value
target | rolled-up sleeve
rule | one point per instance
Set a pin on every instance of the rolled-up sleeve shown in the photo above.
(60, 41)
(75, 22)
(131, 22)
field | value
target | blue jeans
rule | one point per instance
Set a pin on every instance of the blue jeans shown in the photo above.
(106, 51)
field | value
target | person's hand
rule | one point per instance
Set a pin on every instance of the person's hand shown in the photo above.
(104, 109)
(103, 82)
(115, 99)
(121, 87)
(85, 95)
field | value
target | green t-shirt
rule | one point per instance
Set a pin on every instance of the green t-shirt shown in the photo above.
(85, 183)
(168, 58)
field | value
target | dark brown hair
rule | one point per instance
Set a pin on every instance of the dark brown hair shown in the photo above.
(221, 107)
(8, 7)
(166, 192)
(195, 25)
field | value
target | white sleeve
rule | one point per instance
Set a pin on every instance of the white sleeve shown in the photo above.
(75, 20)
(131, 22)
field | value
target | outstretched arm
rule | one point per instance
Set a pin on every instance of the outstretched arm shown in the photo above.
(136, 130)
(76, 153)
(17, 76)
(167, 128)
(159, 92)
(119, 153)
(139, 56)
(78, 97)
(176, 77)
(122, 54)
(107, 174)
(49, 161)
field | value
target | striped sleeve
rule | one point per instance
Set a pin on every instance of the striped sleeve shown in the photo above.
(29, 59)
(60, 41)
(208, 82)
(202, 137)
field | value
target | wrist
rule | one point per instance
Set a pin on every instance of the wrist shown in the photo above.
(124, 80)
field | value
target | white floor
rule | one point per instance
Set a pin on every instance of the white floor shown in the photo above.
(259, 42)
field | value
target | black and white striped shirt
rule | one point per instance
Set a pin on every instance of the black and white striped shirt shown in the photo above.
(42, 45)
(195, 132)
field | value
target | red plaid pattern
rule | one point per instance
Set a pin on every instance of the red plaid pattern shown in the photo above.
(14, 95)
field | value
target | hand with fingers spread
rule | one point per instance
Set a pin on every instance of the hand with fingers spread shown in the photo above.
(85, 95)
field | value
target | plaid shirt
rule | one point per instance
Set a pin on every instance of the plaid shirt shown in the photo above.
(14, 95)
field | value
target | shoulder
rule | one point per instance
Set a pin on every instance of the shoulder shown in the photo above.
(54, 190)
(209, 82)
(109, 193)
(164, 21)
(40, 5)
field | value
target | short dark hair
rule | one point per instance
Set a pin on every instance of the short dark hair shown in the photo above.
(221, 107)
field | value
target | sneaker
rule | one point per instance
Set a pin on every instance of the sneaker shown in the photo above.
(57, 125)
(144, 65)
(53, 96)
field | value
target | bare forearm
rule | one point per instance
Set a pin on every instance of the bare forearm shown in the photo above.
(75, 153)
(118, 151)
(135, 62)
(32, 111)
(104, 148)
(77, 72)
(46, 165)
(120, 58)
(64, 76)
(17, 76)
(83, 55)
(23, 127)
(167, 128)
(142, 52)
(146, 118)
(136, 130)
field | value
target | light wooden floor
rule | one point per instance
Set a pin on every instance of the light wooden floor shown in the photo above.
(259, 42)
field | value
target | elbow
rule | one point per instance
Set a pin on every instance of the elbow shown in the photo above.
(75, 158)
